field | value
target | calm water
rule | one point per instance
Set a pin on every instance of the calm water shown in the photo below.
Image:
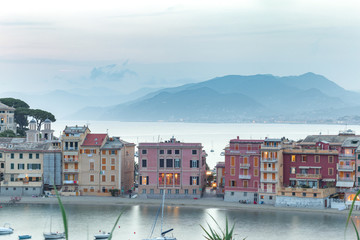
(212, 135)
(84, 221)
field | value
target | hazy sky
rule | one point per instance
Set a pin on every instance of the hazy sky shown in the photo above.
(125, 45)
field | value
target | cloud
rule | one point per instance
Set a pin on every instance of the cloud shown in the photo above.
(111, 72)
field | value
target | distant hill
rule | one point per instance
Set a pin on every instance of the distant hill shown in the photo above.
(235, 98)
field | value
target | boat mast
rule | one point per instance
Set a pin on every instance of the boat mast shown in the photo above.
(162, 208)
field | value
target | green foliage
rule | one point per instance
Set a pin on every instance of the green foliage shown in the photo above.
(63, 214)
(15, 103)
(7, 133)
(21, 117)
(117, 220)
(114, 192)
(349, 217)
(213, 234)
(40, 116)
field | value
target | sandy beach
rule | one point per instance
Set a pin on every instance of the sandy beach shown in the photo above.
(210, 202)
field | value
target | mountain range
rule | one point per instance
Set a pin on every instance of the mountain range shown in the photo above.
(236, 98)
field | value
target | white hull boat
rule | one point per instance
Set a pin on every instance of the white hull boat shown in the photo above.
(102, 236)
(6, 229)
(53, 235)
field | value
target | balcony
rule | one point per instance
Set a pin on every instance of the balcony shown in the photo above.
(245, 165)
(269, 160)
(308, 176)
(346, 179)
(70, 160)
(270, 170)
(346, 168)
(347, 156)
(71, 182)
(244, 176)
(71, 170)
(266, 147)
(269, 180)
(71, 148)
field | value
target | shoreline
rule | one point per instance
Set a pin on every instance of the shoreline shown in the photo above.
(207, 202)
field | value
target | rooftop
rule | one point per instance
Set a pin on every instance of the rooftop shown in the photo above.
(92, 139)
(75, 129)
(20, 144)
(5, 107)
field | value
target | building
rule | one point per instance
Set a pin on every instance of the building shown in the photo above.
(178, 168)
(271, 170)
(242, 170)
(117, 165)
(220, 179)
(71, 139)
(7, 120)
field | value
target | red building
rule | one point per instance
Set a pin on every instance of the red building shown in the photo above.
(242, 170)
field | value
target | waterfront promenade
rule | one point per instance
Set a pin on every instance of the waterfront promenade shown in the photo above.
(207, 202)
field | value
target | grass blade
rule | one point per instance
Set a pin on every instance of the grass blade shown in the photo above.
(350, 212)
(63, 214)
(116, 222)
(357, 233)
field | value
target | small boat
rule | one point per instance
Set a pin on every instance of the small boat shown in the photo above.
(24, 236)
(6, 229)
(102, 235)
(53, 235)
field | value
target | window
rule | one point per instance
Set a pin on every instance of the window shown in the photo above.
(232, 161)
(177, 152)
(37, 156)
(194, 180)
(232, 183)
(103, 178)
(169, 151)
(245, 183)
(33, 166)
(169, 163)
(293, 158)
(144, 180)
(0, 155)
(330, 171)
(317, 171)
(161, 151)
(92, 178)
(194, 191)
(113, 152)
(2, 165)
(144, 151)
(144, 163)
(293, 193)
(169, 191)
(112, 167)
(177, 163)
(144, 191)
(12, 166)
(186, 191)
(256, 161)
(20, 155)
(315, 194)
(152, 191)
(194, 163)
(256, 172)
(304, 194)
(177, 191)
(270, 197)
(30, 155)
(12, 156)
(103, 167)
(194, 152)
(317, 159)
(232, 193)
(113, 161)
(21, 166)
(331, 159)
(161, 163)
(91, 165)
(103, 161)
(303, 158)
(232, 171)
(249, 147)
(12, 177)
(293, 170)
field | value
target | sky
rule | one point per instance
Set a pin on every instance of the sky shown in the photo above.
(128, 45)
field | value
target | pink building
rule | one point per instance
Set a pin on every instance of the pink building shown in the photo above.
(174, 166)
(220, 179)
(242, 170)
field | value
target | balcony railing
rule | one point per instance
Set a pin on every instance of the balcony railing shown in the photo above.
(310, 176)
(70, 182)
(71, 170)
(71, 148)
(269, 169)
(347, 156)
(71, 160)
(346, 179)
(269, 160)
(349, 168)
(266, 147)
(244, 165)
(269, 180)
(244, 176)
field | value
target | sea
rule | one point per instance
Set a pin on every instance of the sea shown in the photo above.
(136, 222)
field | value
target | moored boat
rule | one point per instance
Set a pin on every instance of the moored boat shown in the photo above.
(102, 236)
(53, 235)
(6, 229)
(24, 236)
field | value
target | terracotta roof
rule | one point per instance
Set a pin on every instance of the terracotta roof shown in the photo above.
(94, 139)
(5, 107)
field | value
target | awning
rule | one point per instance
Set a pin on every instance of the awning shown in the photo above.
(315, 167)
(29, 175)
(345, 184)
(303, 167)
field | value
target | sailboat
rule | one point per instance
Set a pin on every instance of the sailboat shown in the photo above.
(162, 233)
(53, 235)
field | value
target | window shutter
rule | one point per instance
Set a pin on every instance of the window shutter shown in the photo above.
(190, 180)
(197, 163)
(147, 180)
(140, 180)
(197, 180)
(190, 163)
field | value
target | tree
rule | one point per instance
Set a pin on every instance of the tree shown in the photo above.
(7, 133)
(40, 116)
(15, 103)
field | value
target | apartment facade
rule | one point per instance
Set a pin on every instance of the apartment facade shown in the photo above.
(242, 170)
(7, 120)
(175, 167)
(71, 139)
(271, 170)
(220, 178)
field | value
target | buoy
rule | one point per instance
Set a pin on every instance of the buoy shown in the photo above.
(134, 232)
(99, 230)
(119, 226)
